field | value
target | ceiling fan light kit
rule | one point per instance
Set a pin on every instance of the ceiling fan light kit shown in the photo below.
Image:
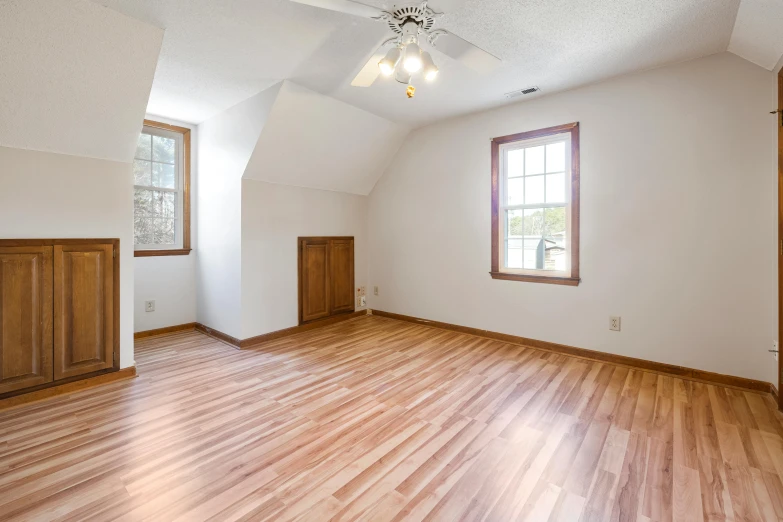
(411, 23)
(390, 61)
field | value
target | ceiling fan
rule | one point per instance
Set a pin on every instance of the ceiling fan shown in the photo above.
(412, 24)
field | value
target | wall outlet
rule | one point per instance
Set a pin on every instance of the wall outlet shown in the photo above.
(375, 290)
(775, 350)
(614, 323)
(363, 290)
(361, 301)
(149, 306)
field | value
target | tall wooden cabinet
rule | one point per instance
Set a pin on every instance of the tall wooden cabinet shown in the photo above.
(326, 277)
(58, 311)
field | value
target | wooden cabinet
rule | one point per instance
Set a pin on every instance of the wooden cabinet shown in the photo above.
(25, 317)
(314, 279)
(326, 277)
(83, 309)
(59, 311)
(341, 272)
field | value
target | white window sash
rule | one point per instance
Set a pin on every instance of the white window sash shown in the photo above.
(504, 208)
(178, 184)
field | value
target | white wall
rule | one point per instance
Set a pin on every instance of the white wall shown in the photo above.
(273, 217)
(312, 140)
(47, 195)
(169, 280)
(225, 144)
(678, 225)
(75, 77)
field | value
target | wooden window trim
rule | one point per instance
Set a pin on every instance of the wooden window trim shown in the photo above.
(495, 272)
(185, 250)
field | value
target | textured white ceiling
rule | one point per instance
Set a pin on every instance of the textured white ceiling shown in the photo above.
(218, 53)
(758, 32)
(308, 136)
(74, 77)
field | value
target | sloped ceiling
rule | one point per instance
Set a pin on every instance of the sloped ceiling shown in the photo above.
(758, 32)
(217, 53)
(312, 140)
(74, 77)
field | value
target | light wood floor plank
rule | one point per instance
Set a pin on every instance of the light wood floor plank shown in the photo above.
(374, 419)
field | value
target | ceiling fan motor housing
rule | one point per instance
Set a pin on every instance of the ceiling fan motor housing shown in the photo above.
(423, 16)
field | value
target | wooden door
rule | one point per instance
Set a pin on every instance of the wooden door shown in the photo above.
(314, 302)
(84, 326)
(341, 275)
(25, 317)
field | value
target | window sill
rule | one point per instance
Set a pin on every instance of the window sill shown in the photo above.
(567, 281)
(155, 253)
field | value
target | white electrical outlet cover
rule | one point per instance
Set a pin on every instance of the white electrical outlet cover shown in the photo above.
(614, 323)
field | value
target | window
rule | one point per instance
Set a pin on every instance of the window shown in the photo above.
(535, 206)
(161, 199)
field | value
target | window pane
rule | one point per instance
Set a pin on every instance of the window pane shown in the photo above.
(555, 225)
(163, 231)
(514, 225)
(142, 230)
(514, 253)
(531, 253)
(555, 157)
(142, 202)
(534, 160)
(515, 163)
(163, 149)
(534, 190)
(163, 175)
(144, 147)
(168, 205)
(555, 188)
(555, 254)
(142, 172)
(534, 222)
(516, 191)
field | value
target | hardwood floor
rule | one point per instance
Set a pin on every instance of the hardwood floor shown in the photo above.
(376, 419)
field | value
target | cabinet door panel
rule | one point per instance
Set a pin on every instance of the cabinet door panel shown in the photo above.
(314, 278)
(83, 309)
(25, 317)
(341, 272)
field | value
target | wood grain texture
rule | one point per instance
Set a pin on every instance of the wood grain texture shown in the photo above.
(341, 275)
(164, 330)
(378, 419)
(25, 317)
(314, 302)
(325, 265)
(643, 364)
(84, 328)
(76, 384)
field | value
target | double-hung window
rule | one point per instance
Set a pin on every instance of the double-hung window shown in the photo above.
(535, 206)
(161, 206)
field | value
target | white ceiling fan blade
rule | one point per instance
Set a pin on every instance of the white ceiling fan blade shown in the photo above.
(463, 51)
(370, 71)
(344, 6)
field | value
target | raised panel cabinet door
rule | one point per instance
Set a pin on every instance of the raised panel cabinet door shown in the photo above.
(25, 317)
(313, 279)
(341, 275)
(84, 326)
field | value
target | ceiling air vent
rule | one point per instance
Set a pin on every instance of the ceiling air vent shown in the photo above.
(521, 92)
